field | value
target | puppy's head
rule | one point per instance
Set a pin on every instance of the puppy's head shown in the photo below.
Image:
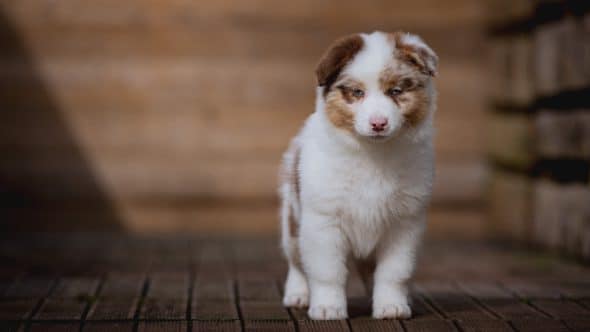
(377, 85)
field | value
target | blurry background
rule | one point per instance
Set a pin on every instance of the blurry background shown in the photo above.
(171, 115)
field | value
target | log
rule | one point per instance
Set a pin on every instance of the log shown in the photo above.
(548, 44)
(499, 69)
(561, 215)
(573, 66)
(511, 139)
(501, 11)
(509, 205)
(559, 134)
(521, 75)
(584, 119)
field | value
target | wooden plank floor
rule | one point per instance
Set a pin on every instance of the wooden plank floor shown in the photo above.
(89, 282)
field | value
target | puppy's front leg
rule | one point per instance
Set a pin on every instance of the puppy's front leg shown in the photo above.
(323, 253)
(396, 256)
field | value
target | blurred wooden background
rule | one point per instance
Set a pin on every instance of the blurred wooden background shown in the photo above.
(540, 126)
(171, 115)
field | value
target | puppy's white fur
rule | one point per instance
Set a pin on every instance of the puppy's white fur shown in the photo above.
(356, 195)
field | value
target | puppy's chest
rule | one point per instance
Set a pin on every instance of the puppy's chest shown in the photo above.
(367, 193)
(369, 202)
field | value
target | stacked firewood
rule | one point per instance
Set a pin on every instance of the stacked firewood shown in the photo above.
(540, 123)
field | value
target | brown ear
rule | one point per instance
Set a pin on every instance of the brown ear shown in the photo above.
(414, 51)
(336, 57)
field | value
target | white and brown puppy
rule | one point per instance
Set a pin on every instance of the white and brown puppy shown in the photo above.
(357, 179)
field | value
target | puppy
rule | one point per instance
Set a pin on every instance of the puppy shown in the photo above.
(356, 181)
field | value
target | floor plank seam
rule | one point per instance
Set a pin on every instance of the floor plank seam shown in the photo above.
(242, 289)
(478, 302)
(140, 302)
(456, 325)
(43, 299)
(403, 326)
(92, 301)
(189, 305)
(526, 301)
(581, 303)
(278, 284)
(432, 305)
(237, 303)
(511, 325)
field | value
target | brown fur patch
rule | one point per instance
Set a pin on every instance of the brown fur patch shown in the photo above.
(294, 179)
(390, 78)
(335, 58)
(413, 100)
(295, 173)
(338, 111)
(416, 108)
(293, 224)
(296, 256)
(347, 87)
(412, 55)
(289, 174)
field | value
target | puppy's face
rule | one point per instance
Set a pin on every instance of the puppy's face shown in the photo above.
(376, 85)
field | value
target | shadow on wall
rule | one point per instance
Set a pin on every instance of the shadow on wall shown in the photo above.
(46, 183)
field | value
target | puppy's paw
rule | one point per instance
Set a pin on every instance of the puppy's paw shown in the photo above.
(296, 300)
(325, 312)
(392, 311)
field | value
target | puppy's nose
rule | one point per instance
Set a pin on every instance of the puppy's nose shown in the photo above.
(378, 123)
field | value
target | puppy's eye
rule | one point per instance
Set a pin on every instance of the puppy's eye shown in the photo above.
(357, 93)
(394, 91)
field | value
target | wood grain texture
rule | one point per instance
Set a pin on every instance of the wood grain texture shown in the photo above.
(113, 309)
(510, 204)
(75, 288)
(61, 309)
(256, 310)
(424, 326)
(206, 310)
(485, 326)
(451, 302)
(371, 325)
(560, 212)
(500, 301)
(162, 326)
(542, 325)
(268, 326)
(163, 309)
(322, 326)
(11, 326)
(17, 309)
(108, 326)
(458, 286)
(216, 326)
(55, 327)
(29, 288)
(118, 285)
(149, 110)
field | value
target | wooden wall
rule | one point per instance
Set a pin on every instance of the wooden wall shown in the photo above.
(172, 114)
(540, 126)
